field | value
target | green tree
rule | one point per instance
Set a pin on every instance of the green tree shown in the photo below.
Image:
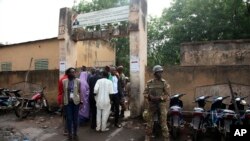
(121, 44)
(197, 20)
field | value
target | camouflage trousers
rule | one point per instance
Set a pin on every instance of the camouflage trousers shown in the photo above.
(152, 109)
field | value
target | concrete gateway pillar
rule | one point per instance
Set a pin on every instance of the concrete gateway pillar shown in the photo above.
(138, 53)
(138, 42)
(67, 48)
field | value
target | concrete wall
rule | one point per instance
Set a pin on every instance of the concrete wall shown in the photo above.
(187, 79)
(229, 52)
(48, 78)
(20, 54)
(95, 53)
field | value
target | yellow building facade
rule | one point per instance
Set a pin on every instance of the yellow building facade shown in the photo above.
(45, 55)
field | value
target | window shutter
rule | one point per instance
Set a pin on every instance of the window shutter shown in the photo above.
(6, 66)
(41, 64)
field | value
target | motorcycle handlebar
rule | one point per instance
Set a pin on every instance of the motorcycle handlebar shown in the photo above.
(40, 91)
(244, 97)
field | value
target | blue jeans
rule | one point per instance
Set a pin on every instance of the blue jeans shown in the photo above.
(72, 117)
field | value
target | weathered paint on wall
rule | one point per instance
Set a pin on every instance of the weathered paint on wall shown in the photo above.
(229, 52)
(20, 54)
(48, 78)
(138, 53)
(88, 53)
(187, 79)
(95, 53)
(182, 80)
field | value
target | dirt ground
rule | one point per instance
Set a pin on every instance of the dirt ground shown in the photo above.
(48, 127)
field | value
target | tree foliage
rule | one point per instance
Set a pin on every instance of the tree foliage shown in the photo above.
(121, 44)
(196, 20)
(183, 21)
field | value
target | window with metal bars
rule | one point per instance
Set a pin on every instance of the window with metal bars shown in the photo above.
(41, 64)
(7, 66)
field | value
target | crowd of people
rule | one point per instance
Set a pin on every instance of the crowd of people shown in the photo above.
(93, 96)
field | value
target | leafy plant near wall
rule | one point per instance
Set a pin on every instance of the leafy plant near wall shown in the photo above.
(121, 45)
(195, 20)
(183, 21)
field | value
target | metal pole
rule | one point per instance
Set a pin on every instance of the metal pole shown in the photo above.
(233, 100)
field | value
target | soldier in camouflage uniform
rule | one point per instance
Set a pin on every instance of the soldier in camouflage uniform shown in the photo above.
(156, 94)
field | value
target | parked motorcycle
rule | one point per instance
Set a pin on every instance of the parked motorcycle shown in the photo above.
(8, 98)
(4, 92)
(1, 91)
(246, 117)
(222, 118)
(244, 114)
(226, 120)
(240, 102)
(25, 106)
(175, 114)
(4, 98)
(199, 116)
(213, 116)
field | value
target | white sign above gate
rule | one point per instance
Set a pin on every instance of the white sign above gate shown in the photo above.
(111, 15)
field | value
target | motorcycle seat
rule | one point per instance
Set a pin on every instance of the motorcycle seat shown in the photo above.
(198, 109)
(175, 108)
(1, 89)
(4, 97)
(228, 111)
(15, 91)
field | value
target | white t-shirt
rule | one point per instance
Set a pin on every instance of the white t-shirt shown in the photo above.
(115, 84)
(103, 88)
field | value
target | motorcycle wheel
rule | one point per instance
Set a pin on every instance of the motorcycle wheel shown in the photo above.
(20, 113)
(174, 132)
(225, 137)
(46, 106)
(195, 135)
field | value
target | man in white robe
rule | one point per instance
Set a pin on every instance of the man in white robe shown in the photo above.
(103, 88)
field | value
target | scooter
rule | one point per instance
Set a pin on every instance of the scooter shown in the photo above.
(244, 114)
(37, 102)
(4, 99)
(246, 117)
(7, 100)
(217, 115)
(240, 102)
(1, 91)
(214, 112)
(199, 114)
(226, 120)
(175, 114)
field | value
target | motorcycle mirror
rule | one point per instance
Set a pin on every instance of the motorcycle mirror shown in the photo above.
(243, 102)
(182, 95)
(237, 99)
(244, 97)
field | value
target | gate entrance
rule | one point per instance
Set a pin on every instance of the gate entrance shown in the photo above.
(70, 31)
